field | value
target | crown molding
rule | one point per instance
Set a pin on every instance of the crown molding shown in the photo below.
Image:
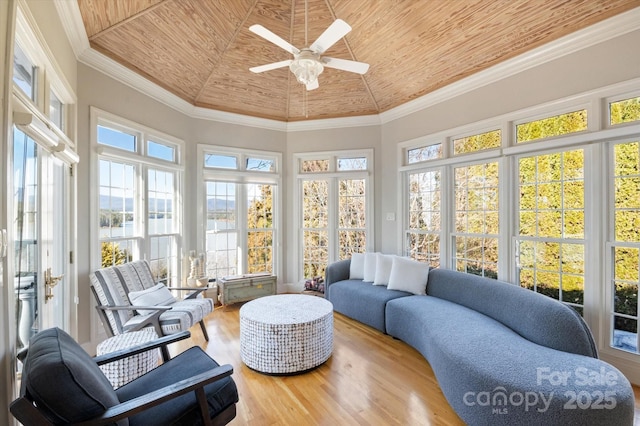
(605, 30)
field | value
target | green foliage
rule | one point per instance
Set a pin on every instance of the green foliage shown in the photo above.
(625, 111)
(260, 235)
(626, 302)
(475, 143)
(553, 126)
(112, 254)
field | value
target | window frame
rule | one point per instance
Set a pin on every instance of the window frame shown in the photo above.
(141, 164)
(333, 176)
(240, 177)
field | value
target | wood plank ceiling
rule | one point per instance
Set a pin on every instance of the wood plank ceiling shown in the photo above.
(201, 50)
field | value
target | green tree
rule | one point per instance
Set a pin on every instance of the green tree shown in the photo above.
(112, 254)
(260, 234)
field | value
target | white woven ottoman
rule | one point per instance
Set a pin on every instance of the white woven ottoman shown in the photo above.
(287, 333)
(125, 370)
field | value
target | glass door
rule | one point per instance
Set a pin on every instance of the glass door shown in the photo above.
(40, 191)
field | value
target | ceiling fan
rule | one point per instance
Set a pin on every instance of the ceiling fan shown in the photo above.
(307, 64)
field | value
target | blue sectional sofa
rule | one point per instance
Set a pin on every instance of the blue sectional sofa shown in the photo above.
(503, 355)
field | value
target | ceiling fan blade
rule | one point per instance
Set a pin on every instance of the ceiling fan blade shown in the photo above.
(274, 38)
(313, 85)
(330, 36)
(269, 67)
(345, 65)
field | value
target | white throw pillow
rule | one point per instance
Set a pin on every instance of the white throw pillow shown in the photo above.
(383, 269)
(408, 275)
(369, 267)
(356, 268)
(158, 295)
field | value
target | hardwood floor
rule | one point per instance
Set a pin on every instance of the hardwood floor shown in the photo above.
(370, 379)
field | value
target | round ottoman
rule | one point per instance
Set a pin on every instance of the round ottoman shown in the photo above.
(287, 333)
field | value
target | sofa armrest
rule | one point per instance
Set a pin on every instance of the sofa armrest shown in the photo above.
(337, 271)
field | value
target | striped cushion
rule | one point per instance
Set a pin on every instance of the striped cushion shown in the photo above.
(114, 284)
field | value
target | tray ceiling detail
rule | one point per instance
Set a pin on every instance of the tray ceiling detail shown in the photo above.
(201, 50)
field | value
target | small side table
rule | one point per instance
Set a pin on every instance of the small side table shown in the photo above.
(125, 370)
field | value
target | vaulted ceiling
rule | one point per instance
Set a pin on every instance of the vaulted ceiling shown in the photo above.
(201, 50)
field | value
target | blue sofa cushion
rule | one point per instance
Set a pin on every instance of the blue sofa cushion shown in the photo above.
(182, 410)
(64, 380)
(519, 309)
(362, 301)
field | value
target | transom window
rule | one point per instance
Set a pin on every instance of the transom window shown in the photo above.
(424, 153)
(624, 111)
(24, 72)
(473, 143)
(557, 125)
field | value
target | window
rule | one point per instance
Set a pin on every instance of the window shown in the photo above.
(116, 191)
(241, 211)
(24, 72)
(315, 225)
(624, 111)
(423, 236)
(624, 246)
(334, 208)
(476, 143)
(477, 219)
(139, 207)
(424, 153)
(259, 228)
(551, 226)
(222, 233)
(56, 110)
(557, 125)
(260, 164)
(117, 138)
(161, 151)
(221, 161)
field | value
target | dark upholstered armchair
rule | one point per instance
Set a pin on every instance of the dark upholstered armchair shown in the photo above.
(62, 384)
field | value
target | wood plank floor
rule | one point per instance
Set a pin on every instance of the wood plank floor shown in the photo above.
(370, 379)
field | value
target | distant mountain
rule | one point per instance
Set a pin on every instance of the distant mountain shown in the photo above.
(214, 204)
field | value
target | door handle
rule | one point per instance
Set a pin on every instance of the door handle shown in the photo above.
(49, 283)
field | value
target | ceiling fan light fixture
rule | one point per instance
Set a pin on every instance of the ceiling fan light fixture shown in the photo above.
(306, 67)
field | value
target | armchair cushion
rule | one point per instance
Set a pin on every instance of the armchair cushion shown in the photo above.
(63, 379)
(182, 410)
(158, 295)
